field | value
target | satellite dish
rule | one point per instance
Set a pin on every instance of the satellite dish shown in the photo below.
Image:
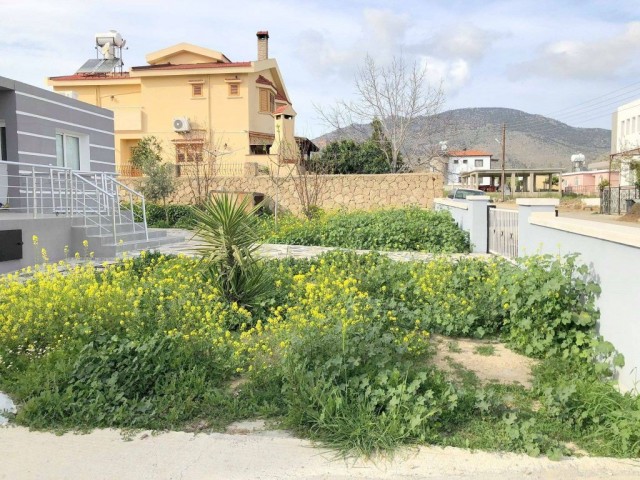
(124, 42)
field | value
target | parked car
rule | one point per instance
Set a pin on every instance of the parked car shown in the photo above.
(462, 193)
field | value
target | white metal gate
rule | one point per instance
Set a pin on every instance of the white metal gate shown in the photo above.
(503, 232)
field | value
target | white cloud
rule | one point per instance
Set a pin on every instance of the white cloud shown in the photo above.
(454, 74)
(596, 59)
(464, 40)
(380, 33)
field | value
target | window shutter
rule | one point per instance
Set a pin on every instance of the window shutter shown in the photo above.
(264, 100)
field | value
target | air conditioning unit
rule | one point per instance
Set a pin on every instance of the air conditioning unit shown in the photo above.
(181, 124)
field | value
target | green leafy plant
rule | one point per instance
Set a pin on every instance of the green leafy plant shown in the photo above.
(227, 230)
(160, 181)
(117, 381)
(397, 229)
(551, 306)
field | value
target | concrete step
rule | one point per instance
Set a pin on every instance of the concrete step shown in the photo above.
(126, 237)
(150, 245)
(123, 218)
(96, 230)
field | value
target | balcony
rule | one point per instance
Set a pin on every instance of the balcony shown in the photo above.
(128, 170)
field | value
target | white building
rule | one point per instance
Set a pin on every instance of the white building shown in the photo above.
(464, 161)
(625, 138)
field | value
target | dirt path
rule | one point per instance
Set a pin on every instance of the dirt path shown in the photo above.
(497, 364)
(104, 454)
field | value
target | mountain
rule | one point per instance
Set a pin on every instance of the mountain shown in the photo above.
(531, 140)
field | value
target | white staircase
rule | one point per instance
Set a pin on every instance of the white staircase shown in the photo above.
(109, 215)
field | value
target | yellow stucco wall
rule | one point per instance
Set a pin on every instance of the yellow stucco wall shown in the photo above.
(147, 102)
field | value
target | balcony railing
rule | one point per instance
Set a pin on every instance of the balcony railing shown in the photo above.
(128, 170)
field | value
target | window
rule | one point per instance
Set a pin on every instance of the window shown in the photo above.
(196, 89)
(465, 160)
(68, 151)
(259, 149)
(455, 161)
(189, 152)
(479, 162)
(267, 101)
(234, 89)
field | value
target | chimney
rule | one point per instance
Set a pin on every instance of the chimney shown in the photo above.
(263, 45)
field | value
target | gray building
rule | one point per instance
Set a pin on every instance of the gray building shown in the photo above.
(58, 181)
(46, 128)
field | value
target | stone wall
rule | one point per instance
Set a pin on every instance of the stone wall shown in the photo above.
(348, 192)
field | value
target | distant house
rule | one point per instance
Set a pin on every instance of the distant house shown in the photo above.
(462, 161)
(198, 103)
(587, 182)
(625, 139)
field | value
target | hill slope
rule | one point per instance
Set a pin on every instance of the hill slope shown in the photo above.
(532, 140)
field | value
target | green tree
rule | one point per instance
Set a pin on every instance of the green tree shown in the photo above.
(379, 139)
(349, 156)
(159, 182)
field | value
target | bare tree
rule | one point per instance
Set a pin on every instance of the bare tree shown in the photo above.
(281, 161)
(310, 184)
(198, 157)
(400, 97)
(288, 166)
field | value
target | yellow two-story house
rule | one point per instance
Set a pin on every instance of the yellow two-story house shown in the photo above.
(200, 105)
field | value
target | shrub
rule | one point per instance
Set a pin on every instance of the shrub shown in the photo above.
(399, 229)
(121, 382)
(170, 216)
(551, 306)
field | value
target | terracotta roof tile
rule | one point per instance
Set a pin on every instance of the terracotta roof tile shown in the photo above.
(191, 66)
(468, 153)
(264, 81)
(83, 76)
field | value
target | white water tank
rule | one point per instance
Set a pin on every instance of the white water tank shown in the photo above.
(112, 37)
(578, 157)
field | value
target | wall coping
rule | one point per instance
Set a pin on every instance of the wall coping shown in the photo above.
(478, 198)
(604, 231)
(451, 203)
(538, 202)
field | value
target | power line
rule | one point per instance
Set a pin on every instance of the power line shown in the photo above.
(614, 97)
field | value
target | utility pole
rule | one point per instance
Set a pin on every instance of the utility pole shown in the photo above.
(504, 139)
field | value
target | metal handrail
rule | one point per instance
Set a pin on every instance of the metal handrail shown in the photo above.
(41, 189)
(110, 211)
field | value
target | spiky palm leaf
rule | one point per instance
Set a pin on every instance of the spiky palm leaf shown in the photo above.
(228, 235)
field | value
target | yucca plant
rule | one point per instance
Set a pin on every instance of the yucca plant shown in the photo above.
(228, 232)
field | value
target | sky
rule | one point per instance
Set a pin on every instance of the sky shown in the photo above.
(572, 60)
